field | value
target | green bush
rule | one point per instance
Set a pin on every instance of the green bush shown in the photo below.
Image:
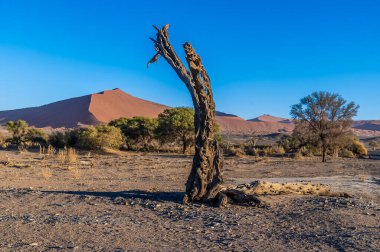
(18, 130)
(93, 137)
(58, 140)
(139, 132)
(99, 137)
(36, 136)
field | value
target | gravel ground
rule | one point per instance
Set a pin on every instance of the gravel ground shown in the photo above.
(132, 202)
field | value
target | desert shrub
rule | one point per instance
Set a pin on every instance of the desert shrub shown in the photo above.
(346, 153)
(233, 151)
(18, 130)
(288, 142)
(25, 136)
(298, 155)
(68, 138)
(109, 137)
(359, 149)
(307, 151)
(87, 138)
(36, 136)
(277, 150)
(374, 144)
(58, 140)
(2, 140)
(250, 150)
(99, 137)
(262, 152)
(72, 137)
(268, 151)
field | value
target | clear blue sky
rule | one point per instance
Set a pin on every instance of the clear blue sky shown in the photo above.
(262, 56)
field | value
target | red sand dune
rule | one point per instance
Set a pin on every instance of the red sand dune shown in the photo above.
(373, 125)
(269, 118)
(85, 110)
(237, 125)
(112, 104)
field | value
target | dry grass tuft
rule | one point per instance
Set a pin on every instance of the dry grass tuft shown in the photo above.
(46, 173)
(6, 161)
(67, 156)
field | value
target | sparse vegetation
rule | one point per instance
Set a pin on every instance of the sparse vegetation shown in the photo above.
(359, 149)
(346, 153)
(374, 144)
(37, 136)
(2, 140)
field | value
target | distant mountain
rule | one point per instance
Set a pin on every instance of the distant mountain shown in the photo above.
(367, 125)
(108, 105)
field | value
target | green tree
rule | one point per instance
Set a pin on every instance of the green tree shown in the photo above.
(177, 125)
(18, 130)
(327, 116)
(119, 123)
(138, 131)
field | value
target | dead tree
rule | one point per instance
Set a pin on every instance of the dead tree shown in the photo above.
(205, 181)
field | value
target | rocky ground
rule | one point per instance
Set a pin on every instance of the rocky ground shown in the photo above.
(132, 202)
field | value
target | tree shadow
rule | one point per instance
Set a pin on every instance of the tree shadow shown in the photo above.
(175, 197)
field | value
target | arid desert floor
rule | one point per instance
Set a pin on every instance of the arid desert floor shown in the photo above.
(133, 202)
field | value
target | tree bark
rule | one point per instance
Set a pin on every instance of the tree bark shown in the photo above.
(204, 183)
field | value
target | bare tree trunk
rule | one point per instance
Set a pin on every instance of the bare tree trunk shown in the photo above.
(184, 144)
(204, 183)
(324, 150)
